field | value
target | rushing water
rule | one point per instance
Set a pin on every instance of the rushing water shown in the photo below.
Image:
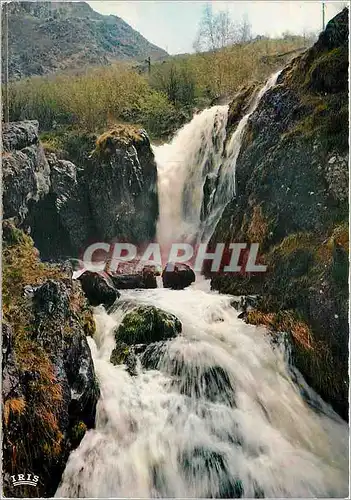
(200, 150)
(219, 413)
(219, 417)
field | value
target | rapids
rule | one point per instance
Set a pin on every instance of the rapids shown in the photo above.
(219, 416)
(219, 411)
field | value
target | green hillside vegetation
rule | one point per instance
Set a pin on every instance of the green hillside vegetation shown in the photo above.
(161, 100)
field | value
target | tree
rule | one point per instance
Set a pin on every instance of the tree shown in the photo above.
(217, 30)
(245, 30)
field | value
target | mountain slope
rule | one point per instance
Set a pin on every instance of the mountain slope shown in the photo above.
(45, 37)
(292, 198)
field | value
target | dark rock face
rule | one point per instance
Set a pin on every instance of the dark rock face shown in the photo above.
(292, 180)
(47, 402)
(26, 172)
(146, 324)
(113, 195)
(142, 280)
(68, 350)
(98, 289)
(123, 170)
(177, 276)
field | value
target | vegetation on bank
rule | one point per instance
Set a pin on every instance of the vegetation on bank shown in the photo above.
(160, 101)
(32, 410)
(294, 203)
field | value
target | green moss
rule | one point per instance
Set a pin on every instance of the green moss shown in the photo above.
(120, 354)
(120, 136)
(328, 72)
(147, 324)
(77, 433)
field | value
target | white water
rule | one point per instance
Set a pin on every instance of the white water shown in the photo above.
(200, 148)
(219, 415)
(153, 439)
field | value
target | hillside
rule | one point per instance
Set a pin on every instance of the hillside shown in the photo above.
(292, 198)
(46, 37)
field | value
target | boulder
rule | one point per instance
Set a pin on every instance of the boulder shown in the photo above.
(144, 279)
(147, 324)
(177, 276)
(98, 289)
(125, 354)
(25, 169)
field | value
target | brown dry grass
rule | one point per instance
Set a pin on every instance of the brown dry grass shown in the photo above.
(258, 227)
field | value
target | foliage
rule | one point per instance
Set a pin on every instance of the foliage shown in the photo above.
(162, 101)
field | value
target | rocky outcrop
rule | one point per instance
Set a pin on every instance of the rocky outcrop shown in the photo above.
(25, 170)
(49, 386)
(111, 195)
(98, 289)
(177, 276)
(291, 184)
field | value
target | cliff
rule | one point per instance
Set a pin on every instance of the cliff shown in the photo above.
(110, 193)
(292, 199)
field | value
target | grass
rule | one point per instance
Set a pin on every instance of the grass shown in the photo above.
(161, 102)
(36, 413)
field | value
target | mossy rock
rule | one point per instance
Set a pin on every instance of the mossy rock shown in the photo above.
(120, 137)
(329, 73)
(147, 324)
(120, 354)
(77, 433)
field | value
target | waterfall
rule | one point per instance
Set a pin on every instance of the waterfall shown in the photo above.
(218, 416)
(199, 155)
(218, 412)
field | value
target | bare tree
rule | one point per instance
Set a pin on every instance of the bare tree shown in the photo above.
(217, 30)
(245, 30)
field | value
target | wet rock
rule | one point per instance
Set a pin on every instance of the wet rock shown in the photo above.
(291, 198)
(177, 276)
(124, 354)
(141, 280)
(210, 383)
(151, 356)
(146, 324)
(98, 289)
(149, 276)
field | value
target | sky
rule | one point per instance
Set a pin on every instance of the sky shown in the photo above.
(173, 25)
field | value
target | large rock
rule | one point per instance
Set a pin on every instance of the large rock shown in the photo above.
(146, 324)
(111, 193)
(25, 170)
(98, 289)
(127, 207)
(144, 279)
(49, 386)
(177, 276)
(291, 198)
